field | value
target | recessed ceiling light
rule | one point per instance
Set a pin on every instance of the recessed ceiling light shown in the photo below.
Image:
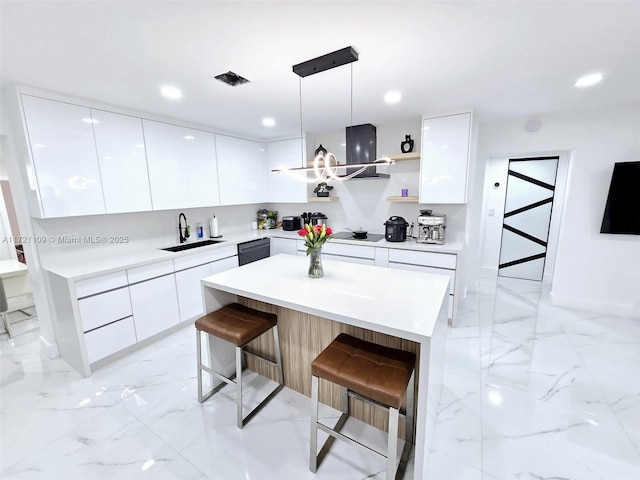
(268, 122)
(90, 120)
(189, 137)
(588, 80)
(173, 93)
(393, 97)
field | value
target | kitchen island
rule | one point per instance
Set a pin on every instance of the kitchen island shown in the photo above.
(401, 309)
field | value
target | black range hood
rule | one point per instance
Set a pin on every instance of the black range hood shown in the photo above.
(362, 148)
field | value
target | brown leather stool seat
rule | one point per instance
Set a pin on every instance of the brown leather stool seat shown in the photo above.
(378, 374)
(237, 325)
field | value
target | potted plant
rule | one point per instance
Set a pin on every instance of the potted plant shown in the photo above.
(322, 189)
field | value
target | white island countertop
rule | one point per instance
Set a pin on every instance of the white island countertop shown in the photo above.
(397, 302)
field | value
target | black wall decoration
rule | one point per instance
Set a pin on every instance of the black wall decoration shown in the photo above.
(407, 145)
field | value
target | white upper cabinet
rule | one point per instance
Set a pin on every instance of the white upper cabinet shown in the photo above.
(64, 157)
(182, 166)
(242, 170)
(123, 162)
(286, 187)
(444, 158)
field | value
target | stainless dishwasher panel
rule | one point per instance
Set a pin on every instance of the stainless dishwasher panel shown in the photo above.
(253, 251)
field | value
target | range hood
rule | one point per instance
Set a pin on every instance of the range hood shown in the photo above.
(361, 148)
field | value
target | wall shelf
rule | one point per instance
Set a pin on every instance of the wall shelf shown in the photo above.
(324, 199)
(411, 199)
(399, 157)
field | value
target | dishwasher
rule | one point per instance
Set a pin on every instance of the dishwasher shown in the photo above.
(253, 251)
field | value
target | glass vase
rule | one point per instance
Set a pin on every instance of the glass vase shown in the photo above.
(315, 263)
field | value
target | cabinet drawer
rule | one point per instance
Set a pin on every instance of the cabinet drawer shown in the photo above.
(207, 256)
(341, 258)
(438, 271)
(427, 259)
(102, 283)
(110, 339)
(139, 274)
(349, 250)
(105, 308)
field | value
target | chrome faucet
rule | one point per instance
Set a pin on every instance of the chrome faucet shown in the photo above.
(183, 238)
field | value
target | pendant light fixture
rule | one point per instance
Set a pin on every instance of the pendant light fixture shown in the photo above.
(325, 164)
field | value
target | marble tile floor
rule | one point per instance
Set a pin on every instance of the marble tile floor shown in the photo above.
(531, 392)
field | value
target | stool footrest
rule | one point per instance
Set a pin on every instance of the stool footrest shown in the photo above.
(261, 405)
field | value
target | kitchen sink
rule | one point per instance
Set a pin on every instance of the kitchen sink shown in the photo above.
(187, 246)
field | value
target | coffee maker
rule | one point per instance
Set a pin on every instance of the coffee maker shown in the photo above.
(431, 227)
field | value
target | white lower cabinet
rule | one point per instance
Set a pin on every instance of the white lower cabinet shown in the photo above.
(283, 245)
(188, 285)
(341, 252)
(190, 291)
(119, 309)
(155, 305)
(428, 262)
(110, 339)
(438, 271)
(223, 265)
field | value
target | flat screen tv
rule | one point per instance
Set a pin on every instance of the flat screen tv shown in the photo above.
(622, 213)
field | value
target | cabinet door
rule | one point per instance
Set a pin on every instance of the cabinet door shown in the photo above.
(123, 162)
(283, 245)
(224, 264)
(110, 339)
(64, 157)
(155, 306)
(286, 187)
(190, 291)
(242, 171)
(182, 166)
(444, 158)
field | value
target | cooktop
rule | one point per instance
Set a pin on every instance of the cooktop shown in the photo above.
(371, 237)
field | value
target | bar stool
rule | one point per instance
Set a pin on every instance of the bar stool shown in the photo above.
(379, 375)
(238, 325)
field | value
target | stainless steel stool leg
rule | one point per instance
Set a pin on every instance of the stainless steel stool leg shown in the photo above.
(313, 458)
(392, 444)
(408, 414)
(276, 341)
(7, 324)
(199, 356)
(239, 356)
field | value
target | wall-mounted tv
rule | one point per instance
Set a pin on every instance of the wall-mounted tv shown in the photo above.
(622, 213)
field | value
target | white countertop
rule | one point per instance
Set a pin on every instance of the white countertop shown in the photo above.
(12, 268)
(84, 264)
(396, 302)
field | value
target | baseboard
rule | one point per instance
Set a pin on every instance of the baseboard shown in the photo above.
(614, 309)
(50, 349)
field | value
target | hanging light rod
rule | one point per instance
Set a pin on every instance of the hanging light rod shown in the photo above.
(326, 62)
(377, 163)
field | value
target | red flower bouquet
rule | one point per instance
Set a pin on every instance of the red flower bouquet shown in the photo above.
(315, 236)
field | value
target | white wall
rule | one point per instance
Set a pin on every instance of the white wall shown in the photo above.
(592, 271)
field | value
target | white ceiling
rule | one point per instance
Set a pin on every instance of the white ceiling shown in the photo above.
(504, 59)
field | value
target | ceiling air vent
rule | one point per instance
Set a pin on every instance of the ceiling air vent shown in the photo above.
(231, 78)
